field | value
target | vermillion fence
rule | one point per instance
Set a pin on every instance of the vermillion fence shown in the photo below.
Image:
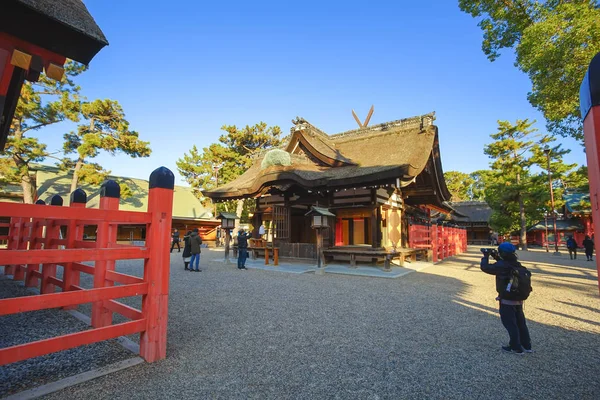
(36, 248)
(444, 240)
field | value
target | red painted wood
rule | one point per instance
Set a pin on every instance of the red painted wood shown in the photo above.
(87, 216)
(106, 235)
(55, 281)
(124, 310)
(591, 129)
(153, 342)
(49, 269)
(85, 244)
(47, 346)
(72, 276)
(53, 300)
(24, 232)
(10, 43)
(119, 277)
(71, 255)
(86, 269)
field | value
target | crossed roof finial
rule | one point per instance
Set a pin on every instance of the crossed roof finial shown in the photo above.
(364, 124)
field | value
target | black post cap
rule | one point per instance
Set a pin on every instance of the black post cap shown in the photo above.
(56, 200)
(589, 92)
(41, 202)
(163, 178)
(110, 188)
(79, 196)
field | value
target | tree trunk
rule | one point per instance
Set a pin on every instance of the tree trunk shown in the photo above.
(76, 170)
(523, 233)
(27, 182)
(28, 185)
(238, 211)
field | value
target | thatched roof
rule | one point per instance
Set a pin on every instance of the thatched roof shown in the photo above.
(62, 26)
(378, 154)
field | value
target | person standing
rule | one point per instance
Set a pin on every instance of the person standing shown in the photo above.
(242, 242)
(572, 247)
(175, 241)
(187, 250)
(195, 249)
(588, 244)
(513, 284)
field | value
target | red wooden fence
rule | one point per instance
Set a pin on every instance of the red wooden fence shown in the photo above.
(443, 240)
(34, 239)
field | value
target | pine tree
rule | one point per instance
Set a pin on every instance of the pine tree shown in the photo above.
(553, 41)
(233, 154)
(43, 103)
(106, 129)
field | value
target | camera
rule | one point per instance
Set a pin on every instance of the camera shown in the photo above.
(489, 252)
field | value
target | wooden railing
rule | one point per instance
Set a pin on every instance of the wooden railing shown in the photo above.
(443, 240)
(36, 248)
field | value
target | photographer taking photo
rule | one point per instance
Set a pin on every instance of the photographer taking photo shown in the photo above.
(513, 284)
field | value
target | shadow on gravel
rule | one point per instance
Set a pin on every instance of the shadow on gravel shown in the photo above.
(258, 334)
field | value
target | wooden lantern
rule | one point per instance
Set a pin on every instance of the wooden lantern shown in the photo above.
(227, 223)
(320, 220)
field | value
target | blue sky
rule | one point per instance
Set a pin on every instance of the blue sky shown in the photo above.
(182, 69)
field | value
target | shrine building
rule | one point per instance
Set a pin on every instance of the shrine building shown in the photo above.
(378, 181)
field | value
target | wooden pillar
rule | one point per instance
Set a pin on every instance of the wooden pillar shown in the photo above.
(374, 218)
(257, 219)
(74, 233)
(434, 242)
(319, 247)
(52, 232)
(37, 232)
(110, 193)
(288, 210)
(227, 241)
(590, 112)
(21, 244)
(153, 341)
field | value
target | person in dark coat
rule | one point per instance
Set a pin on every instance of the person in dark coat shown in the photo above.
(511, 311)
(187, 249)
(588, 244)
(572, 247)
(175, 241)
(195, 248)
(242, 241)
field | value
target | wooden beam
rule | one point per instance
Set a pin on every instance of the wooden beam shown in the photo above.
(356, 119)
(53, 300)
(59, 256)
(369, 116)
(125, 279)
(123, 309)
(47, 346)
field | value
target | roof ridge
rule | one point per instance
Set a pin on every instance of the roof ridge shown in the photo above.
(420, 121)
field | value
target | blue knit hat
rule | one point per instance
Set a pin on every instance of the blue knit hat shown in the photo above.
(507, 248)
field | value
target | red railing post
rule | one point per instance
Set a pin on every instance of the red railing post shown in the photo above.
(110, 193)
(52, 232)
(153, 341)
(434, 242)
(24, 234)
(11, 243)
(74, 233)
(35, 243)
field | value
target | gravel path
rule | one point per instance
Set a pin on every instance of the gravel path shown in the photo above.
(430, 334)
(28, 327)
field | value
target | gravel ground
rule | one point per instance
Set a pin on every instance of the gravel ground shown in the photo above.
(430, 334)
(28, 327)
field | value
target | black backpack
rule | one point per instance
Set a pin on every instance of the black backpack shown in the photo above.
(518, 286)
